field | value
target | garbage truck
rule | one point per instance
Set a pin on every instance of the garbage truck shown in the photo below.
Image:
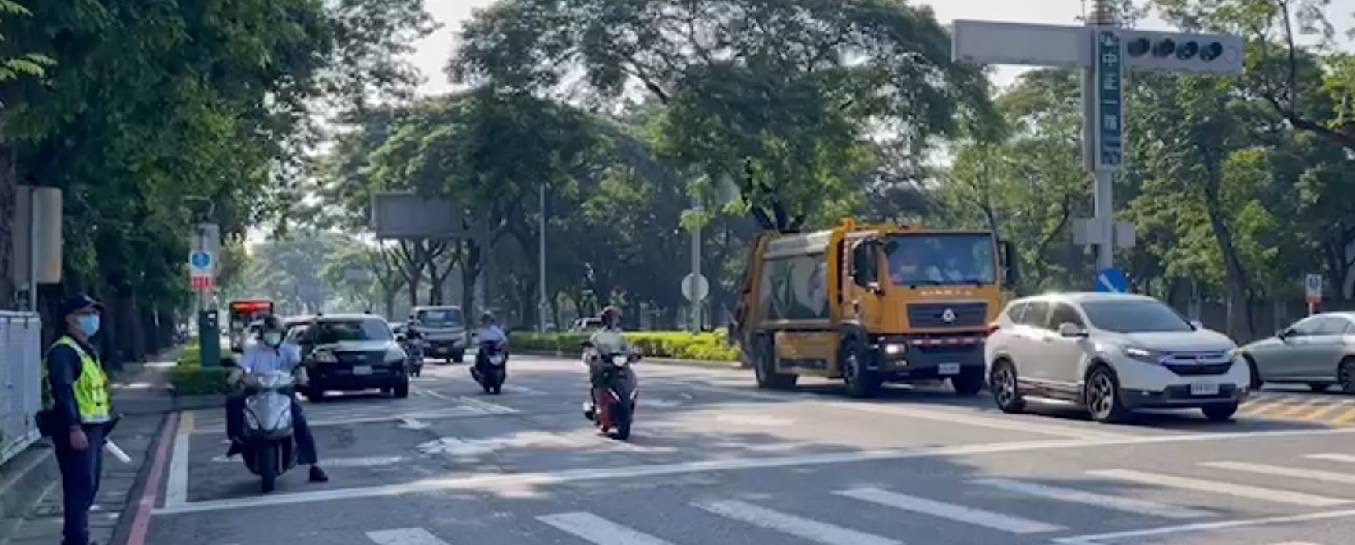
(870, 304)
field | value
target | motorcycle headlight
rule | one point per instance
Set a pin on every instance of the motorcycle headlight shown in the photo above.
(1142, 354)
(620, 360)
(325, 356)
(395, 355)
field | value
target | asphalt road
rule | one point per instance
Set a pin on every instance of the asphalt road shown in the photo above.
(713, 460)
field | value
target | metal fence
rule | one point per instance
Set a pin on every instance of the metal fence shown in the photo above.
(20, 380)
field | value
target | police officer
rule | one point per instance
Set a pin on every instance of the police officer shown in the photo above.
(78, 412)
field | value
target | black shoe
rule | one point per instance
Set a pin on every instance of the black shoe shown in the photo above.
(318, 475)
(237, 447)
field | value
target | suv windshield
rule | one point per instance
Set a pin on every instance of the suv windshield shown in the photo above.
(1135, 316)
(336, 331)
(940, 259)
(440, 317)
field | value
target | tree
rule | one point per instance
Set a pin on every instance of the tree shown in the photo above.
(789, 98)
(24, 65)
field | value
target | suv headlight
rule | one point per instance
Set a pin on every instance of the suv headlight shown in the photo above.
(395, 355)
(1142, 354)
(325, 356)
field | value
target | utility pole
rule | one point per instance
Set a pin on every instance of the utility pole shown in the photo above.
(696, 267)
(542, 303)
(1096, 106)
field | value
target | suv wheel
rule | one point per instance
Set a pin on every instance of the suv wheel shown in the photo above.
(968, 382)
(1101, 395)
(861, 381)
(1006, 391)
(1219, 413)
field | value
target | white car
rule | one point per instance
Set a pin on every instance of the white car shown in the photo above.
(1111, 353)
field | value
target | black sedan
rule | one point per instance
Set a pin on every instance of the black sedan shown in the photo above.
(349, 353)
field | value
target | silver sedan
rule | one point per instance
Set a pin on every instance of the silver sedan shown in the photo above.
(1318, 351)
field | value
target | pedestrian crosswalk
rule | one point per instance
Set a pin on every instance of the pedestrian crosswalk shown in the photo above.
(884, 515)
(368, 411)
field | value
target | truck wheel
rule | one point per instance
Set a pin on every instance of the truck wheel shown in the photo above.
(764, 366)
(861, 381)
(968, 382)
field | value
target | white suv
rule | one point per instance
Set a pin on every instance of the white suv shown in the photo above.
(1111, 353)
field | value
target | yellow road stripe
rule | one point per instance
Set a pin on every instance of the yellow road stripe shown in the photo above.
(1343, 419)
(1295, 410)
(1326, 410)
(1261, 408)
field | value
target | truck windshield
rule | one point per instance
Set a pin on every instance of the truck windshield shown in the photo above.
(440, 317)
(941, 259)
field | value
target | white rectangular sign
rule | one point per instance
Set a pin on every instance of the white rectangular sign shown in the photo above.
(989, 42)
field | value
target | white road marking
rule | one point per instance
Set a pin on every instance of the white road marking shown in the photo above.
(1102, 539)
(517, 480)
(410, 423)
(1129, 505)
(516, 389)
(1264, 469)
(176, 483)
(958, 513)
(404, 536)
(1215, 487)
(370, 461)
(960, 417)
(812, 530)
(482, 406)
(601, 531)
(758, 420)
(1332, 457)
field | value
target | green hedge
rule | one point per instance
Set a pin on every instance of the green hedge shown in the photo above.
(190, 378)
(651, 344)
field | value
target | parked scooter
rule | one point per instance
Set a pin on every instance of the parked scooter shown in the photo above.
(269, 450)
(491, 367)
(615, 391)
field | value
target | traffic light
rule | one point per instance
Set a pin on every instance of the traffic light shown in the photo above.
(1181, 52)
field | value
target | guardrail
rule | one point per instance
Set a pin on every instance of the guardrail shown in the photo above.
(20, 381)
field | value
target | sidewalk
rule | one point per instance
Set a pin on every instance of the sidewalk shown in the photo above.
(141, 394)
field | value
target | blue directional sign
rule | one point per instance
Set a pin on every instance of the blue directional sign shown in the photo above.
(1108, 121)
(200, 260)
(1112, 281)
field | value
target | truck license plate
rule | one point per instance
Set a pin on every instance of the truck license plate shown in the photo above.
(951, 368)
(1204, 389)
(362, 369)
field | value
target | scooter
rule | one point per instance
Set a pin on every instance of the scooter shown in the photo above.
(491, 368)
(615, 396)
(269, 450)
(414, 356)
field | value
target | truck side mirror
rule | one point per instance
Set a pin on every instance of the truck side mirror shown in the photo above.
(1009, 259)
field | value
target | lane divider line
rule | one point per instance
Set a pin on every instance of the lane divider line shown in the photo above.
(141, 521)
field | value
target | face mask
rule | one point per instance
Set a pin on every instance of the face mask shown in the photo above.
(272, 339)
(89, 324)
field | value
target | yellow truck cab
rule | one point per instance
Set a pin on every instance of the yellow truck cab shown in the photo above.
(870, 304)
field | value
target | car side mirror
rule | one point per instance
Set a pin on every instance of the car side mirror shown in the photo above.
(1071, 331)
(1284, 334)
(400, 338)
(1197, 325)
(874, 287)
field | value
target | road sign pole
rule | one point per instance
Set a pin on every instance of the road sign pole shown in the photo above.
(696, 269)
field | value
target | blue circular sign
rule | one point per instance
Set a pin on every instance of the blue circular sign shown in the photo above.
(200, 260)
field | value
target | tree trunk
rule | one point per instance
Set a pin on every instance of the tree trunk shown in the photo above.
(1239, 311)
(9, 181)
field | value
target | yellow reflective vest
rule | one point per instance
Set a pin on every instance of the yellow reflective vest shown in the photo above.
(91, 389)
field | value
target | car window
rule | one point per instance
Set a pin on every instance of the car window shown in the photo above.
(1135, 316)
(1308, 326)
(1063, 313)
(1332, 325)
(1015, 311)
(335, 331)
(296, 333)
(1035, 314)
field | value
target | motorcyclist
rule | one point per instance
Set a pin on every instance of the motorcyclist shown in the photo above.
(609, 339)
(489, 334)
(272, 354)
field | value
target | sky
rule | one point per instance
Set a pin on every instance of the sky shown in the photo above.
(433, 51)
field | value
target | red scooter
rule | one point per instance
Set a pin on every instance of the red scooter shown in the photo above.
(615, 393)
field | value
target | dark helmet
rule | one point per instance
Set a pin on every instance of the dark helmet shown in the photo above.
(270, 322)
(486, 316)
(611, 315)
